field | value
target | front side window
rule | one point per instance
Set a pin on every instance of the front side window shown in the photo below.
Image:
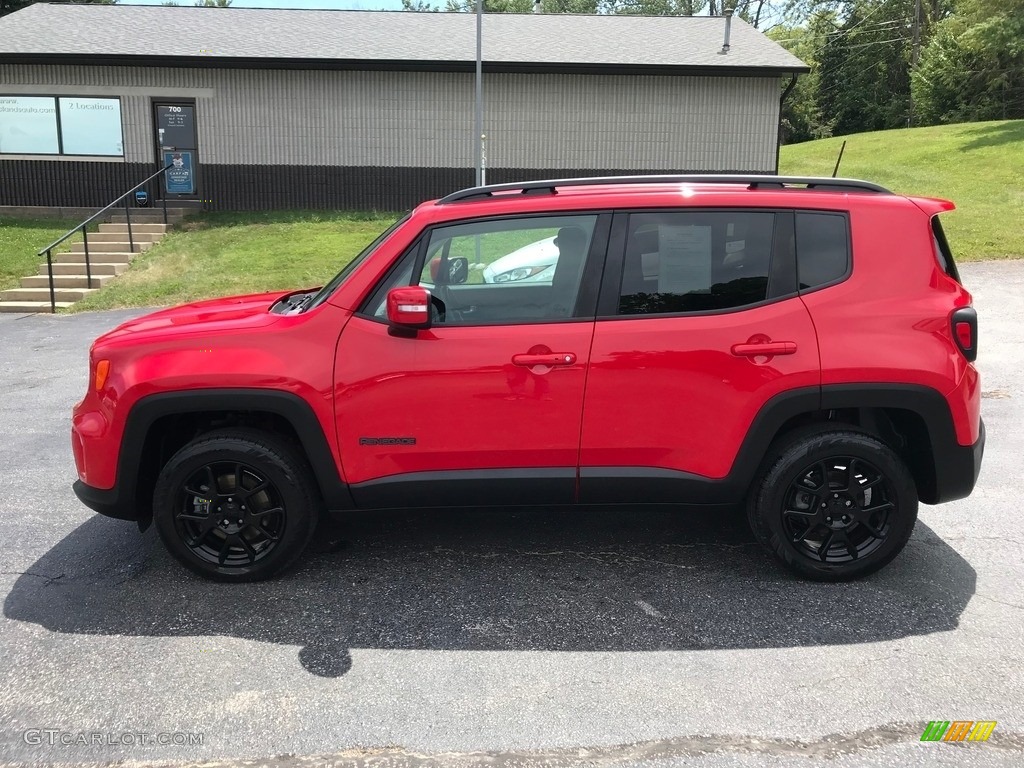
(498, 271)
(47, 125)
(695, 261)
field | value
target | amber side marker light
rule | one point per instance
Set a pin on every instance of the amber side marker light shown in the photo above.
(102, 369)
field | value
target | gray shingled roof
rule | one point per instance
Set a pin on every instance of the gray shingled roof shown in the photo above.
(543, 41)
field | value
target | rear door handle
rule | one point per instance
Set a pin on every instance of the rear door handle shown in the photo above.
(767, 348)
(550, 358)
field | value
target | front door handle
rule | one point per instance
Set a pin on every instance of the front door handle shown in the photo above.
(550, 358)
(764, 349)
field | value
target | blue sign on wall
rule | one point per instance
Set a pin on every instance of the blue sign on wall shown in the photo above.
(179, 178)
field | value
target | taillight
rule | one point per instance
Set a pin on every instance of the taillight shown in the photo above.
(965, 332)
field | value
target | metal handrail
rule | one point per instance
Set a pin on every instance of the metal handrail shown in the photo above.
(85, 236)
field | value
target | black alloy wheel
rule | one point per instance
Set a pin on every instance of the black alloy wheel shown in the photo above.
(833, 504)
(838, 509)
(230, 514)
(236, 505)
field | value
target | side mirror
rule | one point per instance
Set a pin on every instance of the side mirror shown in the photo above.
(409, 307)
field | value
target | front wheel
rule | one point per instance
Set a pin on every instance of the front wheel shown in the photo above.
(834, 506)
(236, 505)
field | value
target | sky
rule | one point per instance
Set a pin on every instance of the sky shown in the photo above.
(347, 5)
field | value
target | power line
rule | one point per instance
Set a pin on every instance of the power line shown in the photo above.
(877, 26)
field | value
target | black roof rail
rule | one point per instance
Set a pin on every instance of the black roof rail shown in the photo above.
(752, 181)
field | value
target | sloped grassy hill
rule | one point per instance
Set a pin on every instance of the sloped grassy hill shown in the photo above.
(979, 166)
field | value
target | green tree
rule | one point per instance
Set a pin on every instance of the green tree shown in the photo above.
(519, 6)
(801, 118)
(863, 77)
(973, 66)
(658, 7)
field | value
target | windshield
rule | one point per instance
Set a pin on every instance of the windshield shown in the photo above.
(339, 278)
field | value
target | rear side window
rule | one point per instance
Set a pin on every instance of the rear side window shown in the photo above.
(822, 248)
(695, 261)
(942, 251)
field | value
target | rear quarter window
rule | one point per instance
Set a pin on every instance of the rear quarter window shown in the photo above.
(942, 251)
(822, 248)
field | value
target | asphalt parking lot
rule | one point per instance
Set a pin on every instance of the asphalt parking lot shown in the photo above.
(517, 637)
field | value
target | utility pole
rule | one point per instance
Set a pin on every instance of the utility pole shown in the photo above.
(917, 34)
(915, 54)
(478, 123)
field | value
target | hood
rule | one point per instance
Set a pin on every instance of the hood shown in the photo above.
(213, 315)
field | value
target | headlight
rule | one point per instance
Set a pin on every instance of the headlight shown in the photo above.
(520, 273)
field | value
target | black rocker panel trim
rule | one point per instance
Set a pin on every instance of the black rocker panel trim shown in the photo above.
(121, 502)
(473, 487)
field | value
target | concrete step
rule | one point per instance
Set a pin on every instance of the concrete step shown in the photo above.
(66, 281)
(30, 307)
(109, 246)
(98, 257)
(122, 236)
(43, 294)
(150, 214)
(78, 268)
(137, 226)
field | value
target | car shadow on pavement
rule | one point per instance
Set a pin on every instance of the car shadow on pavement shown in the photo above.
(579, 580)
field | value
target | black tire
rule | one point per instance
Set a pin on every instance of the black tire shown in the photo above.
(227, 535)
(863, 511)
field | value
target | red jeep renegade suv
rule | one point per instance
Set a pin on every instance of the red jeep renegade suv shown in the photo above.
(801, 346)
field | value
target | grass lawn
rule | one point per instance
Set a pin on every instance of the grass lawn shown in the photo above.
(220, 254)
(979, 166)
(19, 241)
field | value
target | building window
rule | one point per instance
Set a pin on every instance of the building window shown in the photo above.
(66, 125)
(28, 125)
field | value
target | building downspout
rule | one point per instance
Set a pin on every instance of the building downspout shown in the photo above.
(782, 100)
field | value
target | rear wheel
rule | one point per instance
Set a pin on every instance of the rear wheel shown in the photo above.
(237, 505)
(834, 505)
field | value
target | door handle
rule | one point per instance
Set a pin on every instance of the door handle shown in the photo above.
(550, 358)
(764, 349)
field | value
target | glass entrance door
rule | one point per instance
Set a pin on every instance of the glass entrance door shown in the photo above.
(177, 147)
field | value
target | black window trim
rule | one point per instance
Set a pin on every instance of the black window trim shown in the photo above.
(849, 250)
(590, 281)
(782, 283)
(945, 252)
(56, 97)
